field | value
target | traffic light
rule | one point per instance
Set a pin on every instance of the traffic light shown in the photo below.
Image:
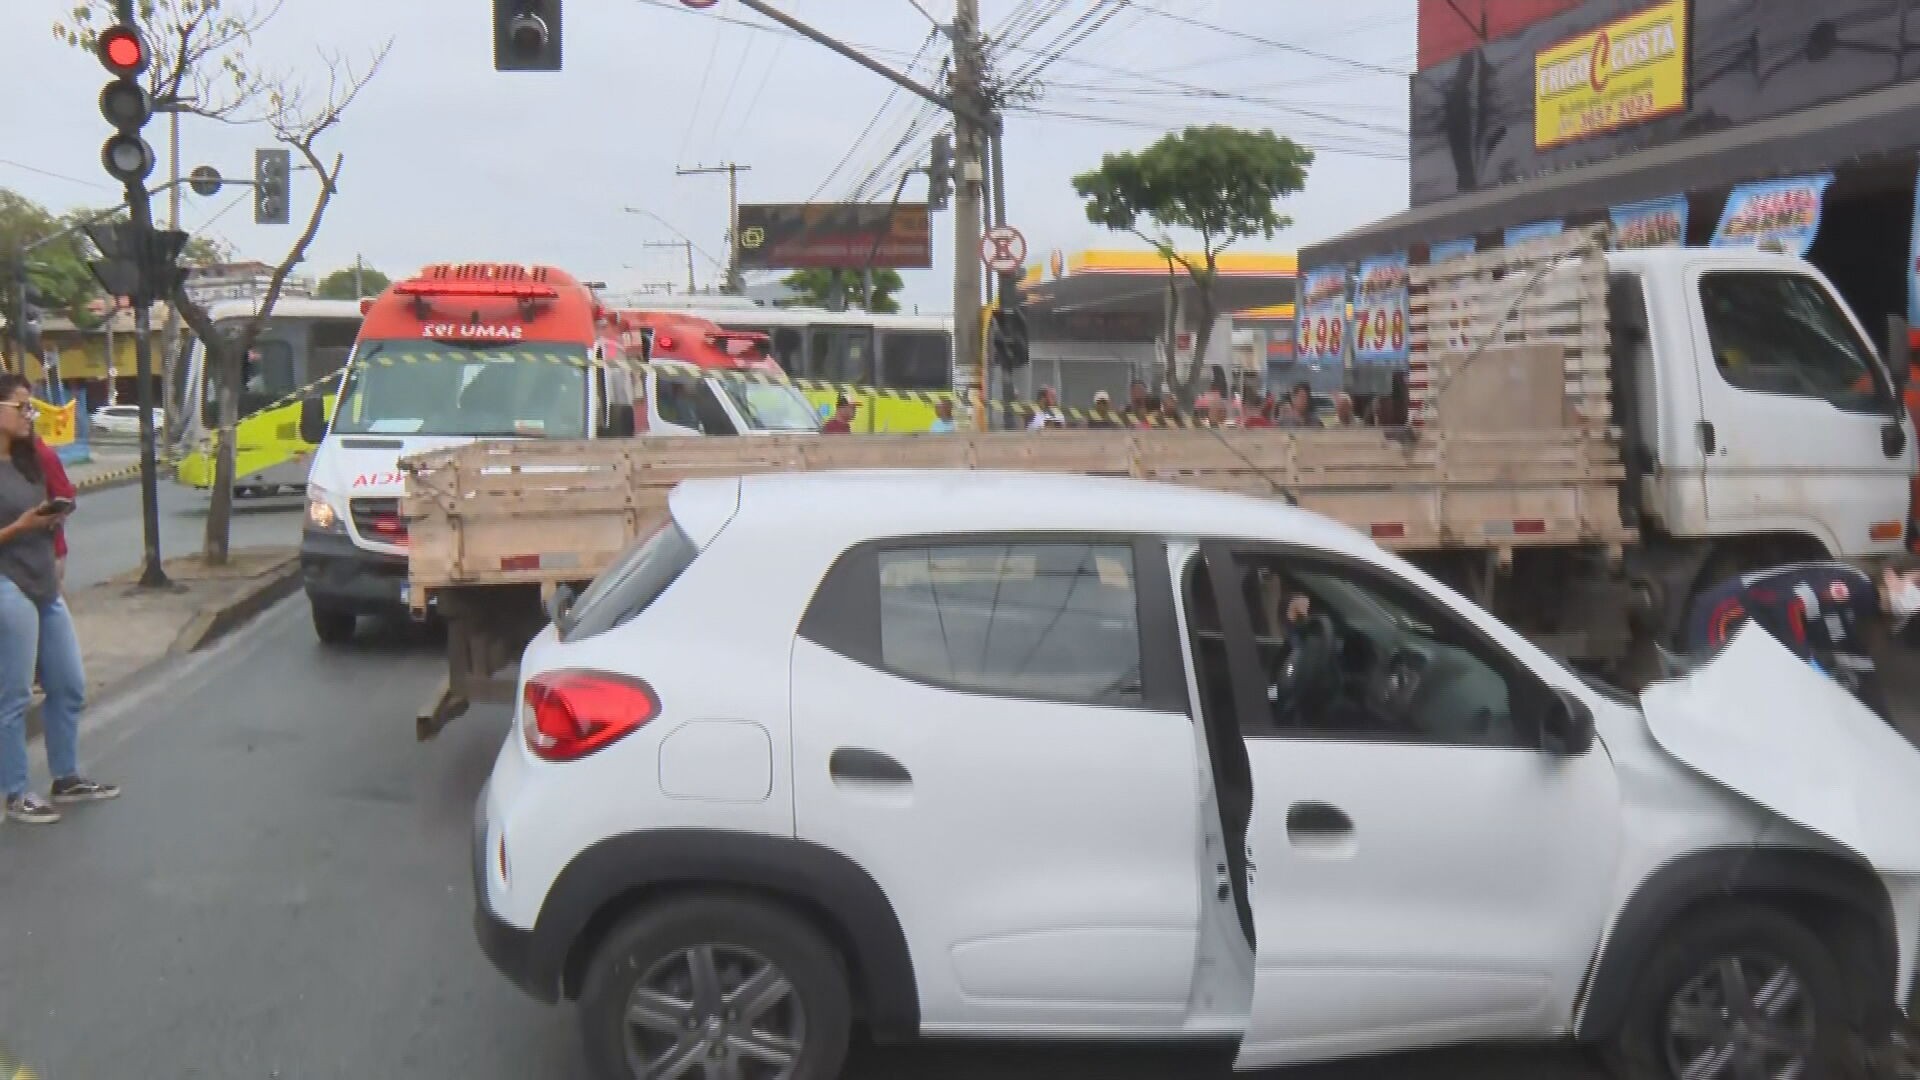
(270, 165)
(526, 35)
(1008, 339)
(940, 172)
(126, 156)
(31, 302)
(118, 267)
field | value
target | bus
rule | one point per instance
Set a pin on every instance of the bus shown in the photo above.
(912, 354)
(303, 342)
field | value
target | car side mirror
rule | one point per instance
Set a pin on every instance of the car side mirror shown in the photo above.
(619, 421)
(560, 603)
(1899, 357)
(1567, 727)
(313, 420)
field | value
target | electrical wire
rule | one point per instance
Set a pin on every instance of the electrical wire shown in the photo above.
(893, 93)
(1087, 25)
(928, 14)
(1283, 46)
(693, 114)
(1321, 146)
(52, 174)
(734, 20)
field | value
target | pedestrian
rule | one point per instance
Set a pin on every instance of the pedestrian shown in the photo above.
(1048, 414)
(841, 422)
(36, 630)
(1343, 415)
(1258, 410)
(1170, 415)
(1103, 415)
(1297, 411)
(58, 487)
(1140, 403)
(942, 417)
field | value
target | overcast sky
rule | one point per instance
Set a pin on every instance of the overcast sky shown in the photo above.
(448, 160)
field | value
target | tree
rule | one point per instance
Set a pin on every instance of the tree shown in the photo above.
(814, 288)
(1220, 182)
(340, 285)
(58, 268)
(200, 52)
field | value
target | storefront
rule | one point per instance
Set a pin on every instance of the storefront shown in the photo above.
(1684, 121)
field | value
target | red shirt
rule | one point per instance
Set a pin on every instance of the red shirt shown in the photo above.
(58, 487)
(837, 426)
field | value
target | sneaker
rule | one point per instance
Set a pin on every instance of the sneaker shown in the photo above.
(31, 809)
(72, 789)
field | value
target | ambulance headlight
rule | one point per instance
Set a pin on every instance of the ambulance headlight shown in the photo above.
(320, 512)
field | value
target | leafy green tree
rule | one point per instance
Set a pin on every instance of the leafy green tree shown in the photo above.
(57, 268)
(1223, 183)
(814, 288)
(339, 285)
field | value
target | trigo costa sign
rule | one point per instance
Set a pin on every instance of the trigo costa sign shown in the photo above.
(1624, 73)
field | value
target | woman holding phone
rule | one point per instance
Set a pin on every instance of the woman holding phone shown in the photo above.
(36, 631)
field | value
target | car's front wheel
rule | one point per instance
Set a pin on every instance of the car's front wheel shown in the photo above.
(716, 988)
(333, 626)
(1735, 992)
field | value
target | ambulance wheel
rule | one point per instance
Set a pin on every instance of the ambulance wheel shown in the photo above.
(333, 626)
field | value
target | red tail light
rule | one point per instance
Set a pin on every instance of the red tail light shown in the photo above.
(571, 714)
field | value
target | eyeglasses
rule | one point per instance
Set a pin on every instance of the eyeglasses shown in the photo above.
(27, 411)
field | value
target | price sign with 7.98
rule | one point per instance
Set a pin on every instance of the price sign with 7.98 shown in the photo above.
(1380, 310)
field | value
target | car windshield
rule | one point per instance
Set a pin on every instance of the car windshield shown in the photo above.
(413, 387)
(771, 406)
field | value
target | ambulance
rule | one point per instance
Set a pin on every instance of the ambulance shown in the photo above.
(470, 352)
(704, 380)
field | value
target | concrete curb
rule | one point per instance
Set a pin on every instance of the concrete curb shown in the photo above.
(117, 478)
(206, 626)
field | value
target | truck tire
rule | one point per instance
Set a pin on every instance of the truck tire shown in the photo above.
(774, 996)
(333, 626)
(1704, 996)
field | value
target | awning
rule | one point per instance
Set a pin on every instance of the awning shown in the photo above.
(1876, 126)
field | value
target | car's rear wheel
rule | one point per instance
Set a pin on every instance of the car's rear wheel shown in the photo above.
(715, 988)
(1736, 992)
(333, 626)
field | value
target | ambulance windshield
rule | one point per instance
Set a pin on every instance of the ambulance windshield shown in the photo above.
(413, 387)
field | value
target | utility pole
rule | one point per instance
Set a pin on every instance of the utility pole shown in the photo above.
(968, 85)
(359, 277)
(687, 246)
(170, 359)
(733, 171)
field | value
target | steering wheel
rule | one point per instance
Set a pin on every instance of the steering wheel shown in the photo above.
(1309, 675)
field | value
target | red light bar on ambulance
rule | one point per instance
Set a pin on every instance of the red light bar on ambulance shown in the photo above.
(507, 290)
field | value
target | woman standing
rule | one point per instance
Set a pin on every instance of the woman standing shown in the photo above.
(36, 631)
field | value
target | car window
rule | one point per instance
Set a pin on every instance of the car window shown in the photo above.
(1054, 621)
(1350, 652)
(631, 584)
(1783, 334)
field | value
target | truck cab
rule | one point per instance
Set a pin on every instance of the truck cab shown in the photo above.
(1758, 423)
(458, 354)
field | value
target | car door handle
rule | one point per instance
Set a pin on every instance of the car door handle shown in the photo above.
(866, 766)
(1317, 819)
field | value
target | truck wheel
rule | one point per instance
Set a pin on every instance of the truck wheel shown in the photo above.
(332, 625)
(706, 987)
(1736, 991)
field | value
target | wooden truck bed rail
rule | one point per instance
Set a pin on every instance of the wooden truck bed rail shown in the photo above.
(549, 512)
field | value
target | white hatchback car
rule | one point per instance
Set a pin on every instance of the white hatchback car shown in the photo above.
(1024, 755)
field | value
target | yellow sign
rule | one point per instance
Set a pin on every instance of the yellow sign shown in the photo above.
(57, 425)
(1627, 72)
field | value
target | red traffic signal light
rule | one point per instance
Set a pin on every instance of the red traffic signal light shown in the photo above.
(121, 51)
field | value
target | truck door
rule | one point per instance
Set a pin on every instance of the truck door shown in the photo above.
(1799, 426)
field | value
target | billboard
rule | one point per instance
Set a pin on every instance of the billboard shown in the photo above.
(834, 236)
(1475, 122)
(1614, 76)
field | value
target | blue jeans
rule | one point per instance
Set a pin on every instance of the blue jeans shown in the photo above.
(36, 637)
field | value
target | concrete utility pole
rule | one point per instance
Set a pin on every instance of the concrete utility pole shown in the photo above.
(968, 84)
(686, 245)
(734, 283)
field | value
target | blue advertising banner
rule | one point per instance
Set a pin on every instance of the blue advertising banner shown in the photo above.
(1449, 249)
(1380, 310)
(1783, 213)
(1653, 223)
(1320, 333)
(1517, 234)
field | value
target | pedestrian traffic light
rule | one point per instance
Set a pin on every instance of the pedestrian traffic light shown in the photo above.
(940, 172)
(526, 35)
(270, 165)
(124, 102)
(1009, 339)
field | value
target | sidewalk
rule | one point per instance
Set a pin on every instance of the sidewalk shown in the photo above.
(125, 630)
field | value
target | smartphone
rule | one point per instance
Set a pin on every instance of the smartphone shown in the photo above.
(59, 506)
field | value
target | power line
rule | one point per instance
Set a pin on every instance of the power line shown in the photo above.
(861, 138)
(52, 174)
(693, 114)
(781, 31)
(1054, 50)
(1160, 125)
(923, 11)
(1299, 50)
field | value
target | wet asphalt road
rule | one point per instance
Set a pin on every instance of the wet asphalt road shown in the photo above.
(283, 892)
